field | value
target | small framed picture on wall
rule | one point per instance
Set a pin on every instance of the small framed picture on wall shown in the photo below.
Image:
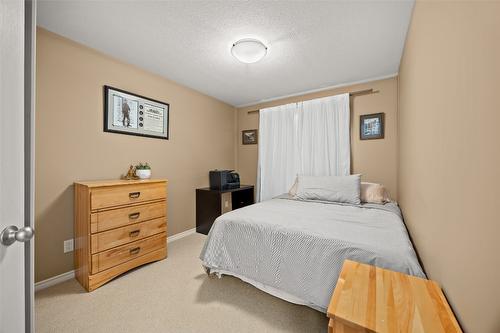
(249, 137)
(371, 126)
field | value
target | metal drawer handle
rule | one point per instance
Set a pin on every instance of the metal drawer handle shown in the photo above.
(135, 250)
(134, 233)
(134, 216)
(134, 195)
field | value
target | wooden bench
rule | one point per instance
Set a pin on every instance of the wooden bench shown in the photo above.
(372, 299)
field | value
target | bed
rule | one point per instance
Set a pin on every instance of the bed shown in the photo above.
(294, 249)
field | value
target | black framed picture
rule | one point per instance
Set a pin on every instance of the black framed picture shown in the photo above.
(371, 126)
(132, 114)
(249, 137)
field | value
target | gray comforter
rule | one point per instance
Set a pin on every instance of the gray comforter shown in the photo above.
(295, 249)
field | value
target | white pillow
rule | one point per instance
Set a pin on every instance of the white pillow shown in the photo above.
(345, 189)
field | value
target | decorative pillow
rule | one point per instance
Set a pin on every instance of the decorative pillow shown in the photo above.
(374, 193)
(330, 188)
(293, 190)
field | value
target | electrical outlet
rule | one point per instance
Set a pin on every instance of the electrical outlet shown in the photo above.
(68, 245)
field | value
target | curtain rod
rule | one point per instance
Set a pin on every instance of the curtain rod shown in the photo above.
(351, 94)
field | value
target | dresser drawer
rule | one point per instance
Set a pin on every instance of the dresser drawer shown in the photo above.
(112, 238)
(110, 219)
(104, 197)
(122, 254)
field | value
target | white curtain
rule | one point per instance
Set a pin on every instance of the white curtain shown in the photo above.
(307, 138)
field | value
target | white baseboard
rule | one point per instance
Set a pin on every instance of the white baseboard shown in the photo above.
(181, 235)
(54, 280)
(71, 274)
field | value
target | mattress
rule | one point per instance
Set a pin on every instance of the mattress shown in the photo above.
(295, 249)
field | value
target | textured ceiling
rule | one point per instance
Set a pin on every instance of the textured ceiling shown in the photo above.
(311, 45)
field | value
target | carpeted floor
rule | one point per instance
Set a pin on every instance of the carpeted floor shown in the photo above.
(174, 295)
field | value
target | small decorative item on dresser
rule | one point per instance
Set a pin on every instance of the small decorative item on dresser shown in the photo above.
(143, 171)
(130, 174)
(371, 126)
(249, 137)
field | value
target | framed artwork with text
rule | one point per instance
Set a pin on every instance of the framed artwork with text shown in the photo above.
(132, 114)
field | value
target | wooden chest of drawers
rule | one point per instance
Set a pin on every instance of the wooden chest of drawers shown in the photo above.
(119, 225)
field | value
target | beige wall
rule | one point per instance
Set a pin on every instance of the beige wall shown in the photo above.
(71, 144)
(449, 172)
(375, 159)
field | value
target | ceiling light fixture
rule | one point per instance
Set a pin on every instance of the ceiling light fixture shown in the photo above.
(249, 50)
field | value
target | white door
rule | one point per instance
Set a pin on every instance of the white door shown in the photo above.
(15, 176)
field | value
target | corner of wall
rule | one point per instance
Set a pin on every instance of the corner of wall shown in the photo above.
(398, 140)
(236, 142)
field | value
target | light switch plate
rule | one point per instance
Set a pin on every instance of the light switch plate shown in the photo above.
(68, 245)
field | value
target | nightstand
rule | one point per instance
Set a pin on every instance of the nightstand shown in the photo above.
(210, 204)
(372, 299)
